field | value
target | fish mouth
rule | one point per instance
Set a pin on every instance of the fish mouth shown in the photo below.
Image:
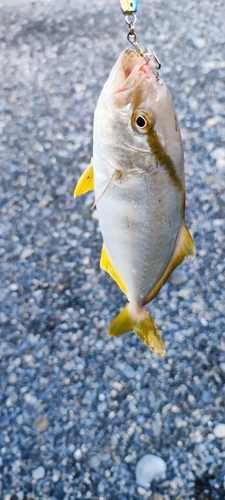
(129, 70)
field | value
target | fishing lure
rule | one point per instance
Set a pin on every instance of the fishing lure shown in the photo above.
(129, 6)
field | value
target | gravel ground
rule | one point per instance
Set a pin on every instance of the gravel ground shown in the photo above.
(78, 410)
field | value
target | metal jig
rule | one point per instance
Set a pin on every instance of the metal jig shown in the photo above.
(129, 6)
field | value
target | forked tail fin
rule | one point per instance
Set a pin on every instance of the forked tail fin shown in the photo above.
(138, 320)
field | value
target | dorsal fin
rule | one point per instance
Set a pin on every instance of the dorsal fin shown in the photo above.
(86, 182)
(184, 247)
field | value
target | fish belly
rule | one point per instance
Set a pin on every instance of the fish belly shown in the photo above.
(139, 216)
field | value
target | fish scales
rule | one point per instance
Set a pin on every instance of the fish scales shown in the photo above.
(127, 212)
(137, 172)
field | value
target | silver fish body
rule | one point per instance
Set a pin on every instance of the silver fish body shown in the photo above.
(138, 169)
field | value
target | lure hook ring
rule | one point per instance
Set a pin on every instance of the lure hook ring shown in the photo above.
(131, 19)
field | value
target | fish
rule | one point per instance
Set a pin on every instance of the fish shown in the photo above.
(137, 174)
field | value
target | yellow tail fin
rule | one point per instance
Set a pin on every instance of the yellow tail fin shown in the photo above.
(140, 322)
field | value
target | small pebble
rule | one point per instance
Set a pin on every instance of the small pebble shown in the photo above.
(58, 492)
(13, 287)
(77, 454)
(27, 252)
(218, 153)
(101, 487)
(184, 293)
(38, 473)
(20, 495)
(199, 42)
(13, 378)
(42, 424)
(219, 431)
(129, 372)
(157, 496)
(101, 407)
(141, 491)
(56, 476)
(178, 277)
(179, 422)
(94, 462)
(148, 468)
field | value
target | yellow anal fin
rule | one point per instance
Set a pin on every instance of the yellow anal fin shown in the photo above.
(106, 265)
(142, 324)
(86, 182)
(184, 247)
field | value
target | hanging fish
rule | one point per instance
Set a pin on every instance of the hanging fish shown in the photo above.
(137, 172)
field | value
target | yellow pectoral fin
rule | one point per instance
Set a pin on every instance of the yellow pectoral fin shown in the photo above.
(106, 265)
(184, 247)
(142, 324)
(86, 182)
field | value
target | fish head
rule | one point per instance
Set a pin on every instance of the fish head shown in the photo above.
(134, 105)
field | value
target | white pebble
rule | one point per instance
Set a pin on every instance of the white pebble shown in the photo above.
(20, 495)
(218, 222)
(141, 491)
(219, 431)
(178, 277)
(148, 468)
(56, 476)
(184, 293)
(101, 407)
(71, 448)
(30, 399)
(218, 153)
(94, 462)
(179, 422)
(199, 42)
(13, 287)
(77, 454)
(27, 252)
(12, 378)
(38, 473)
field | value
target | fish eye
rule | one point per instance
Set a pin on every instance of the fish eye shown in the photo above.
(142, 121)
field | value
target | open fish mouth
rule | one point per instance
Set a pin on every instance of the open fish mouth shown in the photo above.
(129, 70)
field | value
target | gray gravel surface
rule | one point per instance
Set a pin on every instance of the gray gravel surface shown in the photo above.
(78, 410)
